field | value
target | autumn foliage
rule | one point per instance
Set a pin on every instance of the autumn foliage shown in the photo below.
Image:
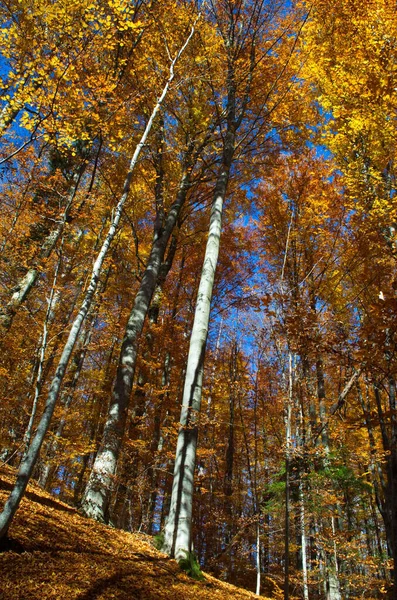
(287, 111)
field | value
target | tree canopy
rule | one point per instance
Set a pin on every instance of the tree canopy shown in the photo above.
(198, 280)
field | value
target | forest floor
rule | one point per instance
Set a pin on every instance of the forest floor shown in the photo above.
(54, 552)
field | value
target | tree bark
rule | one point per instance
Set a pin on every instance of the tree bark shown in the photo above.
(96, 498)
(287, 420)
(330, 557)
(303, 541)
(178, 529)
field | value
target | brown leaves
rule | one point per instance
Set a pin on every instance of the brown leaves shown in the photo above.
(56, 553)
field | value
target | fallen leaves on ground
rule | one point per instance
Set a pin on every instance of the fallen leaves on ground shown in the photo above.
(57, 553)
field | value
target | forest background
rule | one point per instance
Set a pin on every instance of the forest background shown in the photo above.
(136, 136)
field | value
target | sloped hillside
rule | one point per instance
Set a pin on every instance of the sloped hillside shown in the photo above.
(56, 553)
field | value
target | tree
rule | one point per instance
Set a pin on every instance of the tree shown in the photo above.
(241, 28)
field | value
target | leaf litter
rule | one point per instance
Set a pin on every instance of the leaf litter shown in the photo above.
(54, 552)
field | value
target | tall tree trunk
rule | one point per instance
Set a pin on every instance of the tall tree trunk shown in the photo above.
(287, 419)
(303, 540)
(330, 557)
(96, 498)
(258, 558)
(39, 377)
(228, 480)
(177, 540)
(178, 534)
(157, 446)
(392, 476)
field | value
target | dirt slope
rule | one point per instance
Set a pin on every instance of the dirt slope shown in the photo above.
(56, 553)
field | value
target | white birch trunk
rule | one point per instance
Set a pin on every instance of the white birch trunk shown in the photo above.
(303, 542)
(258, 559)
(287, 420)
(177, 540)
(31, 456)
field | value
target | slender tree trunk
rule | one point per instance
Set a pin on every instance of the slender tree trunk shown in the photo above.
(178, 529)
(30, 458)
(157, 445)
(303, 540)
(39, 378)
(392, 477)
(258, 558)
(96, 498)
(288, 409)
(330, 558)
(228, 481)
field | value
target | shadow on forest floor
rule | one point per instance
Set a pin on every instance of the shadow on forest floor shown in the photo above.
(54, 552)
